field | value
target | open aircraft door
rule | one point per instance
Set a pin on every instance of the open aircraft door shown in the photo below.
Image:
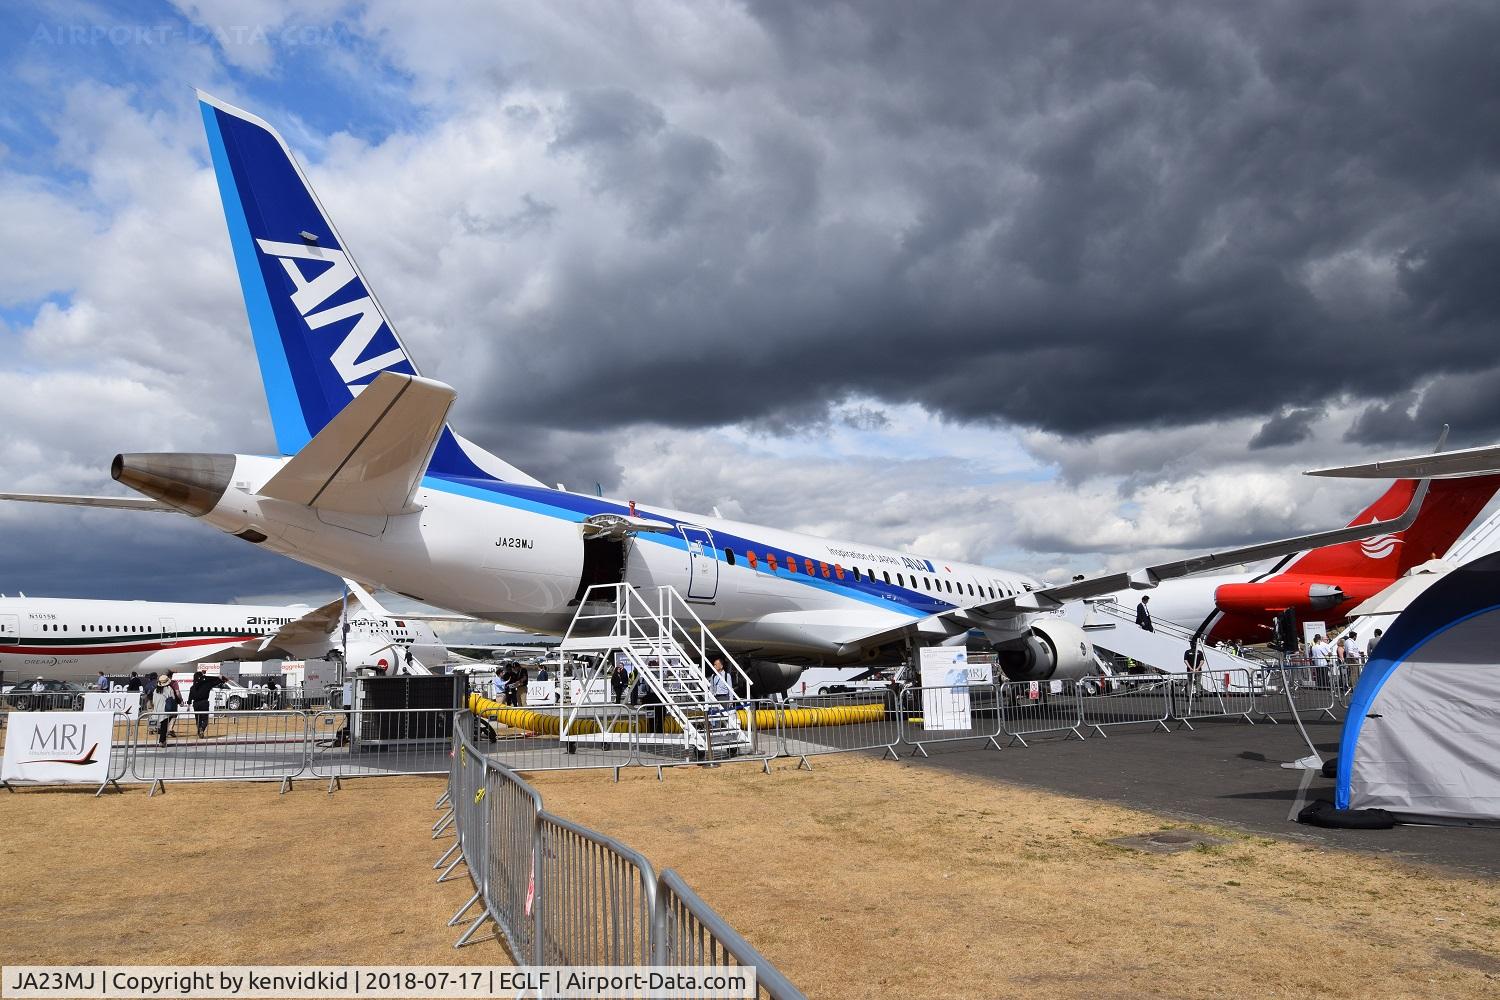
(703, 563)
(168, 631)
(10, 629)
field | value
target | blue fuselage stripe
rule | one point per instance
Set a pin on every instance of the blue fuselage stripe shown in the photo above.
(574, 508)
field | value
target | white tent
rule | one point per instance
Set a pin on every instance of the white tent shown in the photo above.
(1422, 738)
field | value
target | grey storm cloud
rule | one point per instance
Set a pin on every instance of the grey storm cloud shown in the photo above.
(1287, 427)
(1080, 218)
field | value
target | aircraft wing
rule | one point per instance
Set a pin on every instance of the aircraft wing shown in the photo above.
(1441, 465)
(370, 457)
(312, 627)
(1007, 609)
(120, 503)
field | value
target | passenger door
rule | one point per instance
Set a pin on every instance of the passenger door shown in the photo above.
(703, 563)
(168, 631)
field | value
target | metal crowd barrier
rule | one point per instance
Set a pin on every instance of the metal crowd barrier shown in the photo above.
(528, 737)
(18, 699)
(1215, 694)
(561, 894)
(358, 743)
(1313, 689)
(950, 714)
(255, 745)
(601, 895)
(1033, 708)
(806, 729)
(1126, 699)
(687, 931)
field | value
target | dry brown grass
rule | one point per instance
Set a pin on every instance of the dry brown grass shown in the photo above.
(866, 878)
(859, 879)
(229, 873)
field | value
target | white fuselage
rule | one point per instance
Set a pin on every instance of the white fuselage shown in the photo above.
(516, 555)
(74, 640)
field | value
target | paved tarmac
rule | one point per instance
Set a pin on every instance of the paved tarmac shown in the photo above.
(1226, 773)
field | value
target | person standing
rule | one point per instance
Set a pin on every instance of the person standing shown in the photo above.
(1195, 660)
(1322, 656)
(1143, 614)
(102, 683)
(199, 693)
(166, 698)
(1354, 650)
(718, 682)
(148, 693)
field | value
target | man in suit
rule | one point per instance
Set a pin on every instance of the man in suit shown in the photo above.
(1143, 614)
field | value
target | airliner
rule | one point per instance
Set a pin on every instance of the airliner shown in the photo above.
(1326, 583)
(69, 639)
(371, 483)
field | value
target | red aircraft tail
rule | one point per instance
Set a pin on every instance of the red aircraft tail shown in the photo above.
(1450, 507)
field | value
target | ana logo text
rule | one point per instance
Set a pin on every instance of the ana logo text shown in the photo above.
(313, 292)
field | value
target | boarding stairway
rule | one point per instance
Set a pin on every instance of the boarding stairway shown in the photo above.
(1111, 627)
(664, 643)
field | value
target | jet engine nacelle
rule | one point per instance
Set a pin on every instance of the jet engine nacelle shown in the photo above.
(1270, 596)
(374, 653)
(1054, 650)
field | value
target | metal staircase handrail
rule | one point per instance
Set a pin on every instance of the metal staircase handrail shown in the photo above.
(642, 632)
(669, 599)
(1114, 610)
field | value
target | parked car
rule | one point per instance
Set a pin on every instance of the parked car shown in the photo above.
(43, 695)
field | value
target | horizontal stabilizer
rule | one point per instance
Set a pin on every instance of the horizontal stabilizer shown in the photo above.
(118, 503)
(370, 457)
(1482, 461)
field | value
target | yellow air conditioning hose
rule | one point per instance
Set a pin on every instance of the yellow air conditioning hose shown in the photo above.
(765, 718)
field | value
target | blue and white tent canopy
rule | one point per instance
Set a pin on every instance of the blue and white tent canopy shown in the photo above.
(1422, 739)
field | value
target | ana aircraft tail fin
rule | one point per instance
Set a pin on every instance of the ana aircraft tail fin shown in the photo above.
(320, 334)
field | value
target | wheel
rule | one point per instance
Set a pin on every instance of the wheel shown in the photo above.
(234, 703)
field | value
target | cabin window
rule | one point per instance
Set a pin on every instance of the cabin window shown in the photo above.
(900, 581)
(823, 568)
(927, 582)
(791, 564)
(856, 574)
(750, 555)
(887, 575)
(771, 561)
(729, 556)
(949, 585)
(838, 571)
(807, 564)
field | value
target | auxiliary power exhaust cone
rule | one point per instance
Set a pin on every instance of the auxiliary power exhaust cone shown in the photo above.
(192, 482)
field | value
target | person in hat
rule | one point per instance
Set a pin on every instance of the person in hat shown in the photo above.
(165, 700)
